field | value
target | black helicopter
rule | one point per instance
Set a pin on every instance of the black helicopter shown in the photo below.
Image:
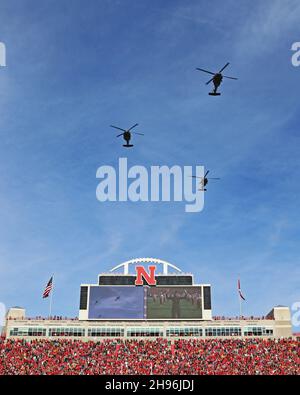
(216, 79)
(127, 134)
(204, 181)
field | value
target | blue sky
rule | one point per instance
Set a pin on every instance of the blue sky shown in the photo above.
(74, 68)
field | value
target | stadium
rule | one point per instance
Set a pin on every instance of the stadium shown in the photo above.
(148, 322)
(134, 132)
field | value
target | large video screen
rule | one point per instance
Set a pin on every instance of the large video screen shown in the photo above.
(116, 302)
(174, 302)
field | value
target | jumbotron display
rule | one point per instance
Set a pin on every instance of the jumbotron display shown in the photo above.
(116, 302)
(174, 302)
(126, 302)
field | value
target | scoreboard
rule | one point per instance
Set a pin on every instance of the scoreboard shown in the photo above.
(159, 297)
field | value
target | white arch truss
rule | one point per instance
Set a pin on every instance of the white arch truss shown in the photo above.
(135, 261)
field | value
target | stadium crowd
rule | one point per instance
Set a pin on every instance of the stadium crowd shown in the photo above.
(213, 356)
(61, 318)
(40, 318)
(220, 318)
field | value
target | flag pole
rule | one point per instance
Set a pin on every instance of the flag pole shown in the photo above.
(241, 297)
(51, 293)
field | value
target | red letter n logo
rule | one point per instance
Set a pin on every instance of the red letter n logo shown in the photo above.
(148, 277)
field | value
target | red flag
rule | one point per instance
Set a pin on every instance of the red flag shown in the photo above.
(239, 290)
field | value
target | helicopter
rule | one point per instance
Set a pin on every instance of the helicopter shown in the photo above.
(126, 134)
(204, 181)
(216, 79)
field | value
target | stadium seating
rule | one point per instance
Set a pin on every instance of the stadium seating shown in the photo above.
(213, 356)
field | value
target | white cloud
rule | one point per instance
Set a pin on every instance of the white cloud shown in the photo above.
(269, 22)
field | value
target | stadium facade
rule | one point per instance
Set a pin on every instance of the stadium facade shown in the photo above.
(146, 304)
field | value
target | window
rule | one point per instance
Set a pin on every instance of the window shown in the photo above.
(223, 331)
(105, 332)
(180, 332)
(28, 332)
(76, 332)
(258, 331)
(145, 332)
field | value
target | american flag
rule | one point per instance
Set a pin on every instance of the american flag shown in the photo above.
(239, 290)
(48, 289)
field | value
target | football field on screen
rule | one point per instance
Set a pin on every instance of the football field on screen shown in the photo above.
(186, 310)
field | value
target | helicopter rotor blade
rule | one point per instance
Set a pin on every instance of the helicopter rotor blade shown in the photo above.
(223, 68)
(231, 78)
(133, 127)
(116, 127)
(205, 71)
(196, 177)
(206, 173)
(213, 178)
(141, 134)
(119, 135)
(208, 82)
